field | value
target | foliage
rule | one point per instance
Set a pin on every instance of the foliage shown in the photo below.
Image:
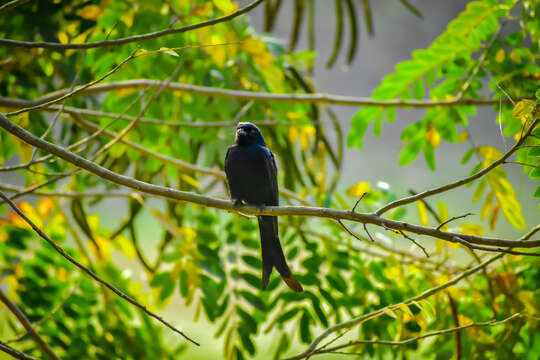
(208, 259)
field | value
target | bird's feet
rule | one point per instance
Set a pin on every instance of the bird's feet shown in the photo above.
(237, 202)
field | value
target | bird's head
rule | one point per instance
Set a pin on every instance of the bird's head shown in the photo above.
(248, 134)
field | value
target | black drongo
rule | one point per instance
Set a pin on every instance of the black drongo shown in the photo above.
(252, 175)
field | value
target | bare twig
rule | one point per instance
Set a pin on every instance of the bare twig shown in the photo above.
(358, 201)
(90, 272)
(26, 323)
(250, 210)
(137, 38)
(452, 219)
(414, 242)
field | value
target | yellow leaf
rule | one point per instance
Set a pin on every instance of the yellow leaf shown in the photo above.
(487, 206)
(515, 56)
(62, 37)
(45, 207)
(202, 10)
(442, 209)
(523, 109)
(293, 134)
(422, 213)
(472, 229)
(432, 135)
(489, 152)
(509, 205)
(166, 222)
(125, 246)
(227, 6)
(90, 12)
(390, 313)
(254, 46)
(190, 180)
(499, 57)
(494, 216)
(293, 115)
(462, 137)
(359, 189)
(306, 133)
(62, 275)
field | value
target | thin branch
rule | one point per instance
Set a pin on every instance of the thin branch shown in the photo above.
(71, 93)
(90, 272)
(180, 124)
(44, 318)
(26, 324)
(250, 210)
(455, 315)
(522, 164)
(456, 329)
(461, 182)
(313, 98)
(414, 242)
(360, 319)
(137, 38)
(452, 219)
(16, 354)
(72, 194)
(11, 5)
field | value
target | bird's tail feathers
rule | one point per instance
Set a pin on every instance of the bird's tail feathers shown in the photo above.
(272, 254)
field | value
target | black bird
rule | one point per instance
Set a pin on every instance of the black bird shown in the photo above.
(252, 175)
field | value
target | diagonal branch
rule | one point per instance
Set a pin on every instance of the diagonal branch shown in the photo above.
(127, 40)
(90, 272)
(16, 354)
(253, 210)
(11, 5)
(27, 325)
(461, 182)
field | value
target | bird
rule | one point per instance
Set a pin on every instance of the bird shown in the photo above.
(251, 172)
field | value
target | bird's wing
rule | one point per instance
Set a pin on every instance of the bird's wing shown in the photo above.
(271, 168)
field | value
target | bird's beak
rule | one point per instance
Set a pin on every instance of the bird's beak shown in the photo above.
(240, 132)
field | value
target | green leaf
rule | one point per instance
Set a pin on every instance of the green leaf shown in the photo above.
(305, 333)
(467, 156)
(535, 173)
(479, 190)
(390, 114)
(253, 299)
(409, 153)
(534, 151)
(537, 192)
(418, 89)
(429, 155)
(252, 261)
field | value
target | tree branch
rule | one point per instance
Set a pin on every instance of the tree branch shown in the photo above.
(253, 210)
(90, 272)
(26, 324)
(117, 42)
(16, 354)
(316, 98)
(461, 182)
(11, 5)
